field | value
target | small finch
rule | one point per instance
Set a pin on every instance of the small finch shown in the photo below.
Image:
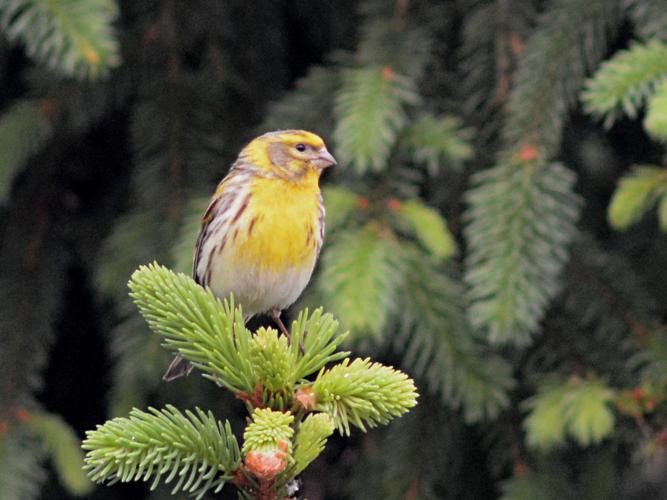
(263, 230)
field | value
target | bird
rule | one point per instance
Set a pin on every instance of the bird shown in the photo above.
(263, 230)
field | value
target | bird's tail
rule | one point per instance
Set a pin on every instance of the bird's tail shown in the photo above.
(178, 368)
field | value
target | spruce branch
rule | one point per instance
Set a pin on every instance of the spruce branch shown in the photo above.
(662, 213)
(340, 203)
(637, 193)
(370, 111)
(604, 313)
(493, 36)
(520, 222)
(578, 408)
(626, 81)
(197, 451)
(21, 457)
(311, 439)
(262, 368)
(363, 394)
(552, 69)
(308, 106)
(280, 366)
(361, 273)
(62, 446)
(438, 343)
(24, 129)
(209, 333)
(438, 141)
(428, 226)
(394, 40)
(543, 484)
(267, 447)
(268, 430)
(655, 121)
(649, 18)
(74, 37)
(318, 334)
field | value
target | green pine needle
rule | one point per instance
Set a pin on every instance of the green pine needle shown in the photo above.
(74, 37)
(624, 82)
(363, 394)
(311, 439)
(195, 450)
(209, 333)
(370, 112)
(521, 221)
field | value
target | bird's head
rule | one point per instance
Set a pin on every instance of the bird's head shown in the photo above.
(289, 153)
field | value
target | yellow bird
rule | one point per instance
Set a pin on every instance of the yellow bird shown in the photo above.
(263, 230)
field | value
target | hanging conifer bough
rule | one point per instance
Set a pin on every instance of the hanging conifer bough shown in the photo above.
(291, 415)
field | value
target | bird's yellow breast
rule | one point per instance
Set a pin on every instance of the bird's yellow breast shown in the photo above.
(281, 225)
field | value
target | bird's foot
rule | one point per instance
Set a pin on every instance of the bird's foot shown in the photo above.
(275, 316)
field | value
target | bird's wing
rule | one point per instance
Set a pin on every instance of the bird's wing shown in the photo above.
(219, 199)
(231, 191)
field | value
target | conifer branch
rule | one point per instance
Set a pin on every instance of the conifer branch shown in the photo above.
(209, 333)
(578, 408)
(62, 446)
(21, 458)
(428, 226)
(637, 193)
(73, 37)
(308, 106)
(437, 141)
(195, 450)
(521, 221)
(268, 430)
(438, 344)
(649, 18)
(655, 122)
(340, 203)
(262, 369)
(552, 68)
(310, 439)
(626, 81)
(537, 484)
(361, 273)
(363, 394)
(370, 112)
(24, 128)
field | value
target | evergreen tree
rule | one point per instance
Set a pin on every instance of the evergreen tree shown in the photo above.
(495, 227)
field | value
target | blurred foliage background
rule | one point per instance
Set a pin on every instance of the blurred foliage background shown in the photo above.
(495, 226)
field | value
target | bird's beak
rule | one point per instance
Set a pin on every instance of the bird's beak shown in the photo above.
(323, 159)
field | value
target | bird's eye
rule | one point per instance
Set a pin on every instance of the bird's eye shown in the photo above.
(300, 147)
